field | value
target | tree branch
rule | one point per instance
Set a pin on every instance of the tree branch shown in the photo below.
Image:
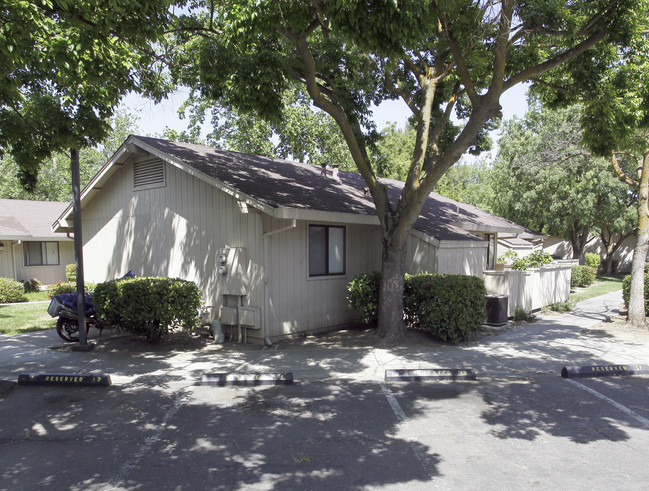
(555, 61)
(623, 176)
(350, 131)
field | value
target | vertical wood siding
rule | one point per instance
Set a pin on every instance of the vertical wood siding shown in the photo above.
(297, 302)
(175, 231)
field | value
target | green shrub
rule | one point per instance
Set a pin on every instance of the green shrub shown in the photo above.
(562, 306)
(363, 296)
(67, 287)
(71, 273)
(582, 276)
(592, 260)
(11, 291)
(626, 291)
(520, 315)
(535, 259)
(32, 285)
(450, 307)
(149, 307)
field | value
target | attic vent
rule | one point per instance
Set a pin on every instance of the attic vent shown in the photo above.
(148, 174)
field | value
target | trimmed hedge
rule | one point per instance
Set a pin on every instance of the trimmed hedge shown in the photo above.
(363, 296)
(582, 276)
(149, 307)
(447, 306)
(11, 291)
(71, 272)
(593, 260)
(68, 287)
(626, 291)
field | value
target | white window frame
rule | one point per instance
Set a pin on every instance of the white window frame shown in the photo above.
(327, 251)
(46, 251)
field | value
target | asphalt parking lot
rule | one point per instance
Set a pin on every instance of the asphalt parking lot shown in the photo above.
(542, 432)
(340, 425)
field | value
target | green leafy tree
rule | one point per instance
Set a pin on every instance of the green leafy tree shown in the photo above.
(614, 90)
(437, 56)
(304, 133)
(468, 182)
(546, 179)
(64, 66)
(54, 181)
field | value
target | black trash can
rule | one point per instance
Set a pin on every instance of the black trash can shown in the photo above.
(497, 310)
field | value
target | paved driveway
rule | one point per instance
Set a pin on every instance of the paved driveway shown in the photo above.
(340, 426)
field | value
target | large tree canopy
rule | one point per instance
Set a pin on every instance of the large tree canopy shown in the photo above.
(64, 66)
(615, 96)
(440, 57)
(546, 179)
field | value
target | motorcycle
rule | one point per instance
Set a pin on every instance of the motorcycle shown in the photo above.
(64, 306)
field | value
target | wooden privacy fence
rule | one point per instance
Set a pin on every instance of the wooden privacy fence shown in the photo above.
(533, 288)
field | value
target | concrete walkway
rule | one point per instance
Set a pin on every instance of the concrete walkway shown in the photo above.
(543, 347)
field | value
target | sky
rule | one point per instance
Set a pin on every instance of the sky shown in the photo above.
(155, 117)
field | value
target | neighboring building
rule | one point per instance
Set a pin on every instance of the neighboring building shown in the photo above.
(28, 247)
(272, 241)
(522, 247)
(622, 257)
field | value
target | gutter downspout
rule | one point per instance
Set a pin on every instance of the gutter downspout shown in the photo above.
(265, 237)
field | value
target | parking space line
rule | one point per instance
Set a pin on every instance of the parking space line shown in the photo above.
(417, 448)
(394, 404)
(613, 403)
(151, 440)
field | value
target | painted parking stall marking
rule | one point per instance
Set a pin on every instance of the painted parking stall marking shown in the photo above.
(608, 400)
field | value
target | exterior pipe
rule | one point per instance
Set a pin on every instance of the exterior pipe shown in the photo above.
(265, 236)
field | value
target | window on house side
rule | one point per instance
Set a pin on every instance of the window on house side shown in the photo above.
(491, 250)
(326, 250)
(41, 253)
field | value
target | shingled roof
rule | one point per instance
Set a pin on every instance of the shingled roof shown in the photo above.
(284, 185)
(29, 220)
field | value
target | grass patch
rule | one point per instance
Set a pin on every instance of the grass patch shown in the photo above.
(602, 286)
(40, 296)
(25, 317)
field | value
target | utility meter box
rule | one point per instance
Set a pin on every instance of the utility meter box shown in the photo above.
(250, 317)
(228, 316)
(232, 270)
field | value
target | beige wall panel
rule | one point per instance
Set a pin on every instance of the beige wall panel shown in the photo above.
(175, 231)
(421, 256)
(6, 260)
(462, 260)
(299, 303)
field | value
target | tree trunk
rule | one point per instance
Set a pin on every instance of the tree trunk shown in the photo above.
(608, 264)
(391, 326)
(637, 315)
(578, 239)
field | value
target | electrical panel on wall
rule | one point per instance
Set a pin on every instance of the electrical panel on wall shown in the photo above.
(232, 270)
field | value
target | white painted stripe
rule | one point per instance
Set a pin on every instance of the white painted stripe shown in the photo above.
(150, 441)
(394, 404)
(417, 448)
(613, 403)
